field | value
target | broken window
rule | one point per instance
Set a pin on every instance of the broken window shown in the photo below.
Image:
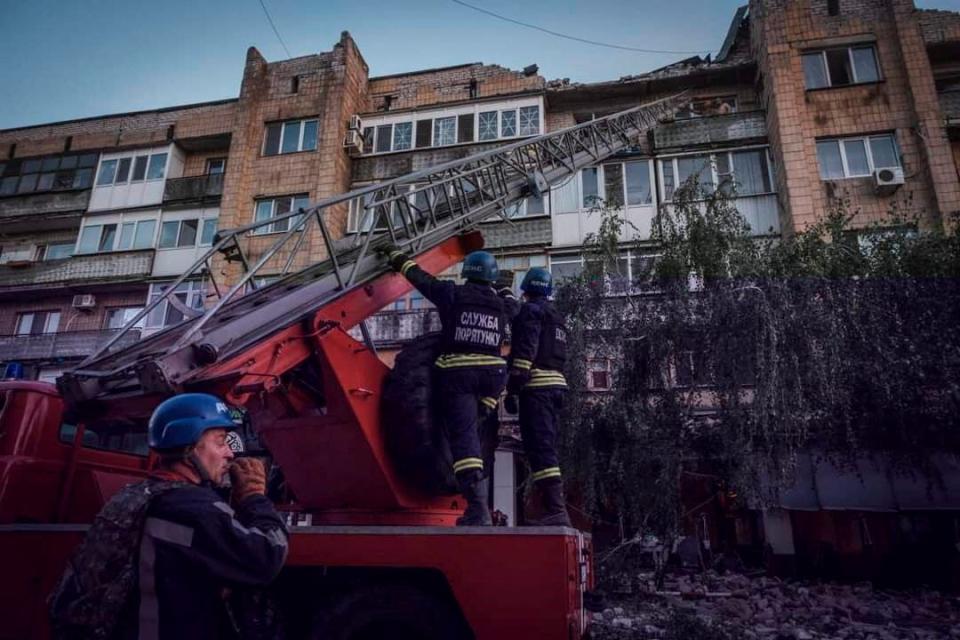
(840, 67)
(424, 130)
(444, 131)
(384, 138)
(529, 121)
(488, 125)
(38, 322)
(590, 190)
(508, 124)
(402, 136)
(465, 128)
(613, 185)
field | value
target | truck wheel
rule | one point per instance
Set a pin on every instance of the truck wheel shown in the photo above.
(416, 442)
(388, 612)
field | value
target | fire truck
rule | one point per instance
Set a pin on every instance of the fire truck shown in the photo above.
(374, 552)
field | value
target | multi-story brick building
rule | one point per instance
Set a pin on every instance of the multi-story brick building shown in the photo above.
(807, 101)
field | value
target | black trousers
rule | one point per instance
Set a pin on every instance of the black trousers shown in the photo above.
(540, 427)
(458, 392)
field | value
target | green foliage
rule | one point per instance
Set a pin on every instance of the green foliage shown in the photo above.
(831, 339)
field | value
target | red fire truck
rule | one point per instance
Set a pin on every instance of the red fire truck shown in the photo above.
(380, 556)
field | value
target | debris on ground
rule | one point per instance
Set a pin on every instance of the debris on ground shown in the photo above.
(711, 606)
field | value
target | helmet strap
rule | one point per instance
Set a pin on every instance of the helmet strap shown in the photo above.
(194, 461)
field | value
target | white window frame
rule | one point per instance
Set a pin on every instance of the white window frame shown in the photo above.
(283, 127)
(373, 123)
(715, 175)
(119, 220)
(129, 310)
(149, 155)
(51, 322)
(270, 229)
(602, 183)
(822, 53)
(195, 289)
(869, 151)
(179, 223)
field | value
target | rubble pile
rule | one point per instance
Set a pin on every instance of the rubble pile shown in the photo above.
(710, 606)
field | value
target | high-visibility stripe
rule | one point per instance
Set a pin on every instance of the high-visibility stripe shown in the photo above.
(467, 463)
(489, 402)
(540, 378)
(543, 474)
(522, 364)
(450, 360)
(395, 254)
(409, 264)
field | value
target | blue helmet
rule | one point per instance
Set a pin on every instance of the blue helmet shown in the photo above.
(480, 265)
(538, 282)
(180, 421)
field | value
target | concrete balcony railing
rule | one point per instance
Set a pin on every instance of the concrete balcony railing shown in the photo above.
(194, 188)
(113, 267)
(68, 344)
(392, 328)
(730, 127)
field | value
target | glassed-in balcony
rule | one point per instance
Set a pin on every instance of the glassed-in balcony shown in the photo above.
(67, 344)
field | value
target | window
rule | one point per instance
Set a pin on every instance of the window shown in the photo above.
(565, 268)
(290, 137)
(51, 173)
(123, 170)
(840, 67)
(208, 231)
(402, 136)
(856, 157)
(276, 207)
(127, 436)
(37, 322)
(487, 125)
(613, 185)
(216, 166)
(638, 183)
(508, 124)
(598, 374)
(188, 297)
(529, 121)
(384, 137)
(531, 206)
(119, 317)
(444, 131)
(132, 234)
(178, 233)
(709, 106)
(590, 190)
(738, 173)
(54, 251)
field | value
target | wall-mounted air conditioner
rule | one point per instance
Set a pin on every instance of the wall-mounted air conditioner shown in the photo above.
(85, 301)
(886, 181)
(353, 142)
(356, 124)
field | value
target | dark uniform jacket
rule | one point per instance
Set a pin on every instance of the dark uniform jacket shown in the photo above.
(473, 317)
(539, 343)
(194, 547)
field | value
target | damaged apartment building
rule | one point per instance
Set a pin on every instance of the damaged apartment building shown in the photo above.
(806, 101)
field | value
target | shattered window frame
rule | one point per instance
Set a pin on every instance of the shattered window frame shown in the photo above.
(817, 64)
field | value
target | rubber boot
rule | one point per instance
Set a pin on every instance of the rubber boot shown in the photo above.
(554, 504)
(473, 486)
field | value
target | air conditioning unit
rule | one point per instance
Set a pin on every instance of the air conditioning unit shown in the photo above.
(353, 142)
(886, 181)
(356, 124)
(85, 301)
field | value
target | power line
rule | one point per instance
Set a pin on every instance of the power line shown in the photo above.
(274, 27)
(569, 37)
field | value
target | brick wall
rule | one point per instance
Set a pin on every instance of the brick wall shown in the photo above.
(71, 319)
(195, 164)
(796, 117)
(332, 87)
(409, 91)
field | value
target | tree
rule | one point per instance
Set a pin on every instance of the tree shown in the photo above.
(735, 353)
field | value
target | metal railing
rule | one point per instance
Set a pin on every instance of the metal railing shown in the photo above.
(456, 196)
(66, 344)
(730, 127)
(116, 266)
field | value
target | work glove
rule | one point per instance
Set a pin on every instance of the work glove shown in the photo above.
(512, 404)
(395, 257)
(247, 477)
(517, 381)
(504, 281)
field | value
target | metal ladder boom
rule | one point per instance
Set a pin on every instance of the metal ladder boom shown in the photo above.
(416, 211)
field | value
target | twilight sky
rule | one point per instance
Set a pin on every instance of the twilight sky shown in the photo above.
(65, 59)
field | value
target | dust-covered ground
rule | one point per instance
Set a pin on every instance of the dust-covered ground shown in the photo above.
(710, 606)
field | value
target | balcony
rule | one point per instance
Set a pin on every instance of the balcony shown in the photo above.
(393, 328)
(194, 189)
(950, 104)
(730, 127)
(114, 267)
(43, 211)
(68, 344)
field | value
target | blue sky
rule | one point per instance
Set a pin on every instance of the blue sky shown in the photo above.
(66, 59)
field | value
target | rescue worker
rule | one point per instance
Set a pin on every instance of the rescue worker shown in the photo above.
(470, 371)
(189, 547)
(537, 355)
